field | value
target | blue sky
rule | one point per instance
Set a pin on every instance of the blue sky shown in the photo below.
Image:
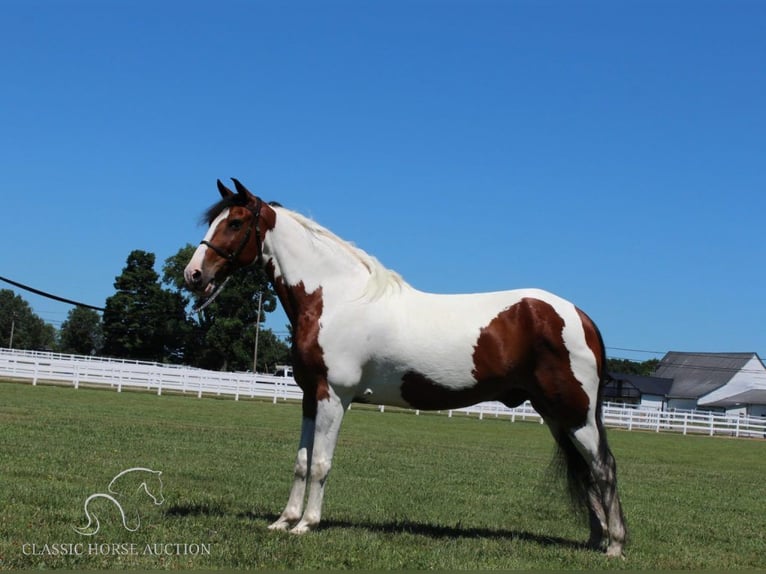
(611, 152)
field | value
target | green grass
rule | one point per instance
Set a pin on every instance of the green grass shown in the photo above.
(406, 491)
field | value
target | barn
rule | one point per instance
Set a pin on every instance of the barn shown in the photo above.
(734, 382)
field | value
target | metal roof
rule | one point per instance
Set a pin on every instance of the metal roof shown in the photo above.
(697, 374)
(643, 385)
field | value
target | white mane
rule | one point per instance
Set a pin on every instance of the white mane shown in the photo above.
(381, 278)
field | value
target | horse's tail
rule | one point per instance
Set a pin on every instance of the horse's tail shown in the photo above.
(570, 462)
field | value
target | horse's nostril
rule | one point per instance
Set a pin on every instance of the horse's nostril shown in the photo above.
(196, 275)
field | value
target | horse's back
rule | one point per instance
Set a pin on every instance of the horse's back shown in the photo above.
(432, 351)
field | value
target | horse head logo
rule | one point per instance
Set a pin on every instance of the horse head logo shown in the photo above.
(125, 491)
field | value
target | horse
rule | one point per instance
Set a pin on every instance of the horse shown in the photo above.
(126, 485)
(362, 334)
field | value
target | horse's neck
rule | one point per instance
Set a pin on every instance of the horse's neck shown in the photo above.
(302, 257)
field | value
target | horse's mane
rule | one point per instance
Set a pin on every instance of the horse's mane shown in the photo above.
(218, 208)
(381, 278)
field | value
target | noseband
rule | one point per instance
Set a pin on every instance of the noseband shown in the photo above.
(231, 258)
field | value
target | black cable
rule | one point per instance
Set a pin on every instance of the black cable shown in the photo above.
(50, 296)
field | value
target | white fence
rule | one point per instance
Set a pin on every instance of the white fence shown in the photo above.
(620, 416)
(155, 377)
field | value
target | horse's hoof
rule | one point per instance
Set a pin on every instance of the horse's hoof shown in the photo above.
(302, 528)
(280, 524)
(615, 551)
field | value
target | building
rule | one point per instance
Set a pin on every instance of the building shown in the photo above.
(734, 382)
(646, 392)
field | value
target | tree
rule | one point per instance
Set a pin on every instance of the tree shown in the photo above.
(81, 333)
(223, 334)
(141, 320)
(629, 367)
(20, 327)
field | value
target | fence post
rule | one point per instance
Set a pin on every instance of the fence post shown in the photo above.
(686, 422)
(710, 422)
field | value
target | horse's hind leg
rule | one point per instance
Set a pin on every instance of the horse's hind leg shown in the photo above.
(590, 441)
(582, 486)
(599, 529)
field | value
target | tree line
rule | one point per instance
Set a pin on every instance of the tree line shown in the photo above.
(628, 367)
(148, 319)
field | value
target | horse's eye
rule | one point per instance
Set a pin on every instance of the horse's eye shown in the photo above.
(235, 224)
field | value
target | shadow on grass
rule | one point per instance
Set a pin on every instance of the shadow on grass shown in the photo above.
(391, 527)
(444, 531)
(204, 509)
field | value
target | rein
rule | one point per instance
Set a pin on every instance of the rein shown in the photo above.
(205, 302)
(231, 258)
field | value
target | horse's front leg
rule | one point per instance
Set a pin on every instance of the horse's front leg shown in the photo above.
(292, 512)
(329, 416)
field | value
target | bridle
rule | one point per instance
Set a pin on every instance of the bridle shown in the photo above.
(232, 257)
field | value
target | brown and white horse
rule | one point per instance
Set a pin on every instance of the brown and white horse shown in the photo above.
(361, 333)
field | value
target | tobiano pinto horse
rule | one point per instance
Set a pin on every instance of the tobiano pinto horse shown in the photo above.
(362, 334)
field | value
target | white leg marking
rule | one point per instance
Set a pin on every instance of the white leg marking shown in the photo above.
(329, 417)
(292, 512)
(587, 441)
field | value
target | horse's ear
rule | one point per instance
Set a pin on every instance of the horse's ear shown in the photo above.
(223, 190)
(241, 189)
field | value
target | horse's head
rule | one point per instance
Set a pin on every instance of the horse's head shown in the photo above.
(238, 224)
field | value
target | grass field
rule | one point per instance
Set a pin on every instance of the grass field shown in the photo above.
(414, 492)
